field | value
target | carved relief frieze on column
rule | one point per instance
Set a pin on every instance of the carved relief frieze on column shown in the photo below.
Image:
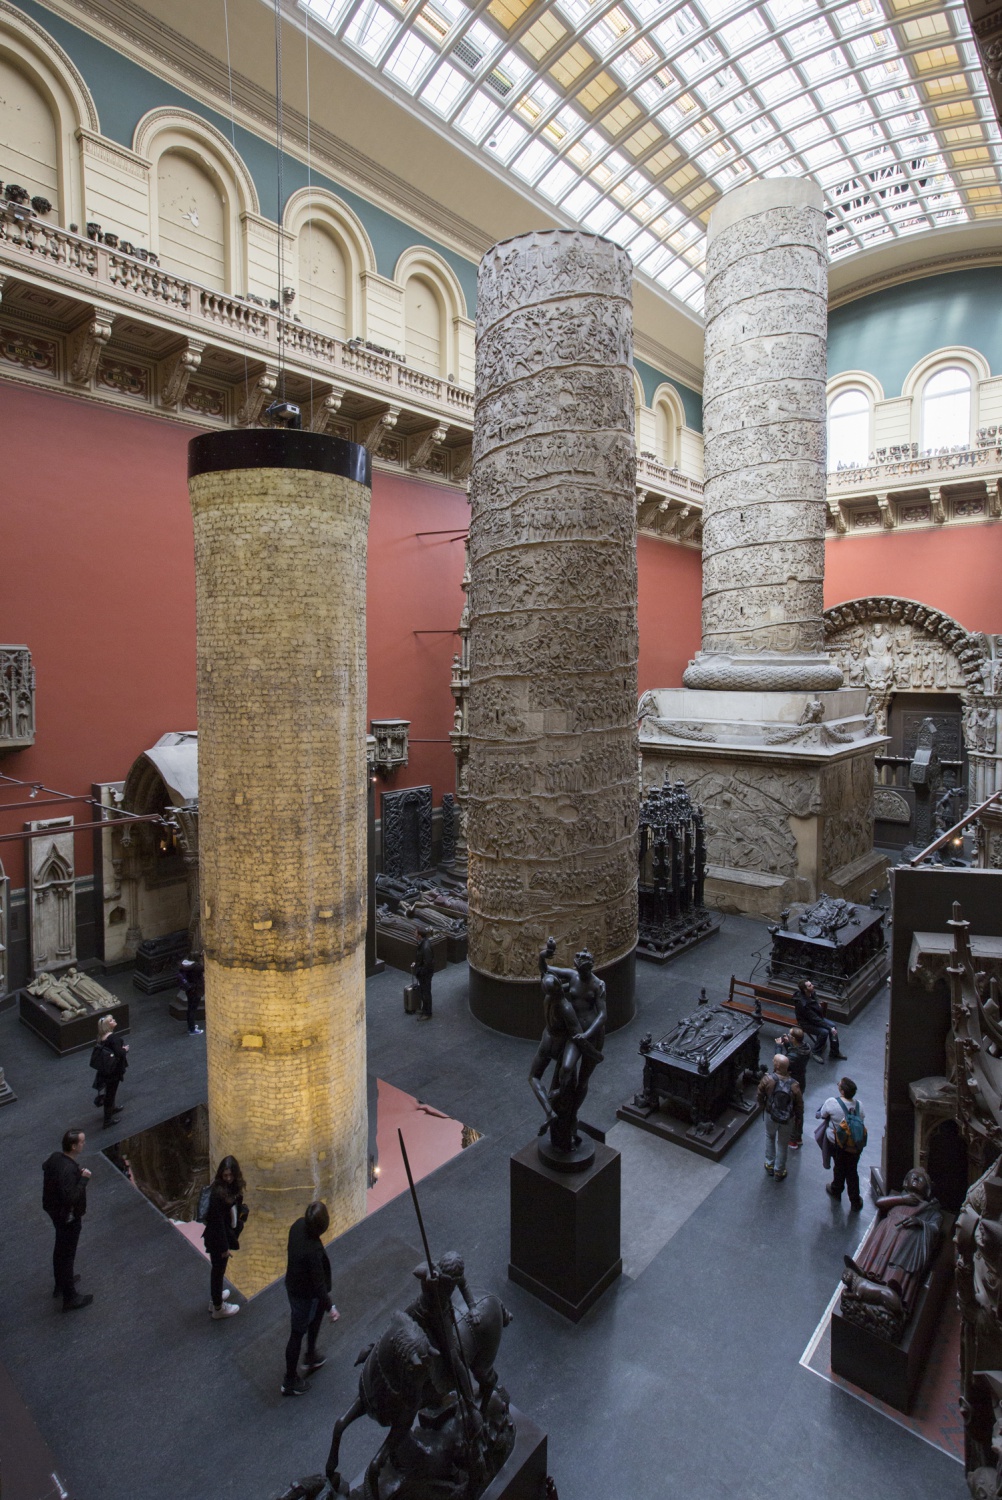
(86, 345)
(553, 798)
(764, 442)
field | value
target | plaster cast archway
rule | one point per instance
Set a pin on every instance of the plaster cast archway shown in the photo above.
(889, 645)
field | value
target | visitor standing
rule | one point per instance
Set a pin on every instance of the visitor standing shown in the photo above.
(308, 1287)
(423, 968)
(191, 978)
(109, 1060)
(797, 1050)
(812, 1019)
(783, 1104)
(64, 1199)
(845, 1133)
(225, 1218)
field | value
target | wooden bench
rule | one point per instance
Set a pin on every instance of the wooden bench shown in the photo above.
(765, 1002)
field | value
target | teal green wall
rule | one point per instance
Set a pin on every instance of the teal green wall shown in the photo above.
(888, 332)
(123, 92)
(692, 401)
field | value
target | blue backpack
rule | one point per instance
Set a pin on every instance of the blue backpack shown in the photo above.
(850, 1132)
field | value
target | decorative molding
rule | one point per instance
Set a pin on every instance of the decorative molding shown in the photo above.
(19, 21)
(257, 393)
(424, 445)
(41, 356)
(176, 372)
(102, 148)
(371, 431)
(130, 379)
(960, 260)
(319, 413)
(85, 346)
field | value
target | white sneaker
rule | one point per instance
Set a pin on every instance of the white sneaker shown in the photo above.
(212, 1305)
(226, 1311)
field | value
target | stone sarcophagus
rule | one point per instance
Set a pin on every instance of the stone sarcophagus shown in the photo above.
(697, 1079)
(837, 944)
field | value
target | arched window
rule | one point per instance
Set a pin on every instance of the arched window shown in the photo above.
(324, 283)
(848, 430)
(31, 150)
(192, 220)
(946, 409)
(423, 326)
(667, 434)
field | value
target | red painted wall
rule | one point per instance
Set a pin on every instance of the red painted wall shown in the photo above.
(669, 603)
(99, 582)
(955, 569)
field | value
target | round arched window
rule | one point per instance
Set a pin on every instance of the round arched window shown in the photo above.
(848, 430)
(946, 409)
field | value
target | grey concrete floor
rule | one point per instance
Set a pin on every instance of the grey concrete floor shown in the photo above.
(682, 1382)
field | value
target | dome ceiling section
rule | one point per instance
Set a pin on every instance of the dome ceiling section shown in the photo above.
(632, 119)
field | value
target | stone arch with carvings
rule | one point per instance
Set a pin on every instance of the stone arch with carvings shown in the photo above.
(889, 645)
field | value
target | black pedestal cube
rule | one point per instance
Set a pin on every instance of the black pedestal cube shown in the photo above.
(565, 1230)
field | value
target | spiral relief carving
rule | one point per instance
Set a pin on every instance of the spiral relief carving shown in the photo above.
(552, 804)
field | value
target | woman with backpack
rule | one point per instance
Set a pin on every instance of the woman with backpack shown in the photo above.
(845, 1135)
(781, 1099)
(224, 1216)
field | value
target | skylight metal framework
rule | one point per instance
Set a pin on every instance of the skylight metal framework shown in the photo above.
(633, 118)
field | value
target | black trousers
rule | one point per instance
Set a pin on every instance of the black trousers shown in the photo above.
(64, 1254)
(821, 1032)
(216, 1274)
(194, 1001)
(846, 1165)
(307, 1316)
(110, 1094)
(424, 992)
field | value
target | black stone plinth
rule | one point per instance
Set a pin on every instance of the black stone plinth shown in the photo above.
(523, 1476)
(565, 1230)
(178, 1009)
(893, 1372)
(712, 1142)
(516, 1006)
(157, 961)
(70, 1035)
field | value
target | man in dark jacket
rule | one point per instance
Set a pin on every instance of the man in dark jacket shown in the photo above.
(423, 968)
(308, 1287)
(64, 1199)
(812, 1019)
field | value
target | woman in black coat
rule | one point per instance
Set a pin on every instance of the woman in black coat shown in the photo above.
(224, 1220)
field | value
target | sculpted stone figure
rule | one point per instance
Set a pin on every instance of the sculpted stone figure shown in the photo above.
(575, 1013)
(882, 1285)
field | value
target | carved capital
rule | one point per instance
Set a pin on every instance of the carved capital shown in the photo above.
(886, 512)
(994, 499)
(938, 508)
(319, 412)
(425, 444)
(85, 347)
(176, 371)
(838, 516)
(257, 393)
(370, 431)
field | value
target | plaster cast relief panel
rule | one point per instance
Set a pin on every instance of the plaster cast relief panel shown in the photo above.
(553, 639)
(764, 435)
(747, 812)
(17, 698)
(52, 896)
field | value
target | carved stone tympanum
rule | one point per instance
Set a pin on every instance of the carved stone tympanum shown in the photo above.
(552, 796)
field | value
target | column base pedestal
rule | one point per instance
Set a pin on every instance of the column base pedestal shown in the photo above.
(565, 1246)
(516, 1006)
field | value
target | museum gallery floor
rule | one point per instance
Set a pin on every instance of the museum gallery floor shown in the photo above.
(683, 1381)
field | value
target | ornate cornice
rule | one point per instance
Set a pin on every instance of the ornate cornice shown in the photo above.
(960, 260)
(177, 60)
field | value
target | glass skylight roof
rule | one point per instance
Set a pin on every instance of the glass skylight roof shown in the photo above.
(632, 119)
